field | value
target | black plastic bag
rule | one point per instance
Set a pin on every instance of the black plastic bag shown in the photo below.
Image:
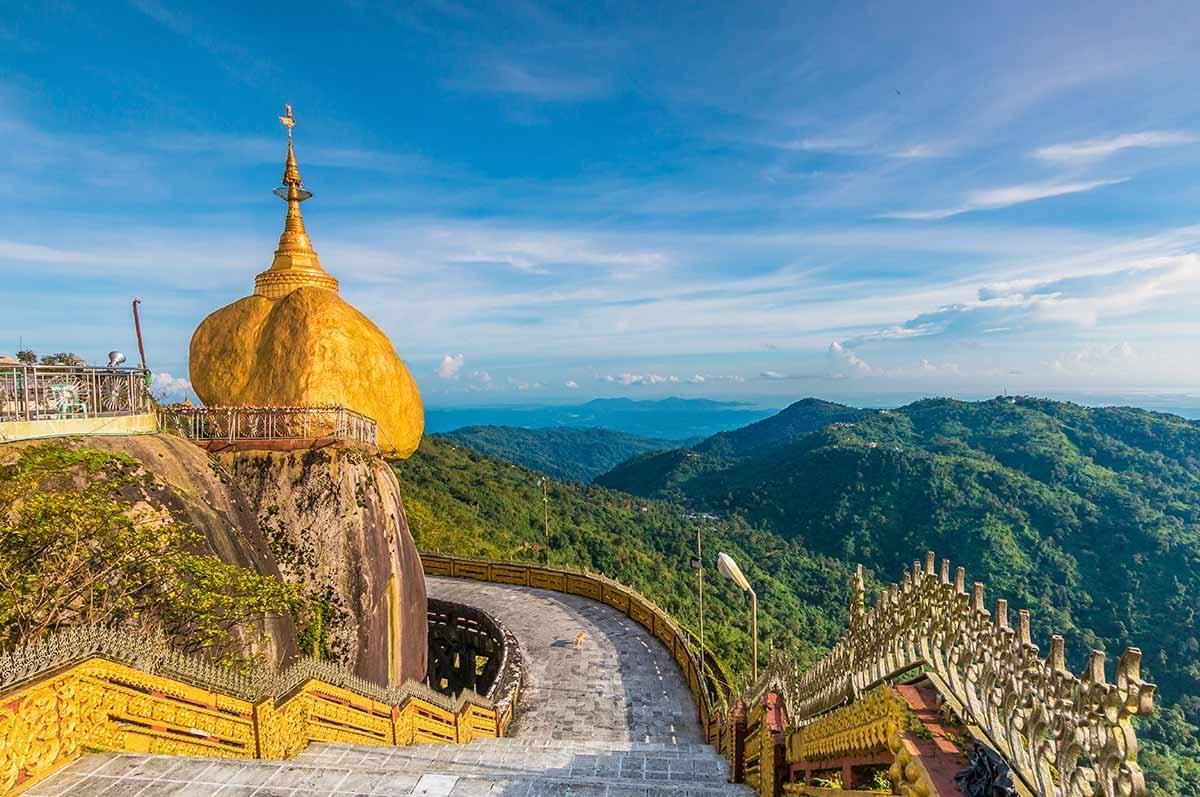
(989, 775)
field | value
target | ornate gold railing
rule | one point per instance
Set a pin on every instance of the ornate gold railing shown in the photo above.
(98, 689)
(1063, 735)
(221, 427)
(56, 392)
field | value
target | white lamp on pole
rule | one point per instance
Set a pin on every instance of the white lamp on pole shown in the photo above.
(730, 570)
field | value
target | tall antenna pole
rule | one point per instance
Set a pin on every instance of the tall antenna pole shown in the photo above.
(137, 327)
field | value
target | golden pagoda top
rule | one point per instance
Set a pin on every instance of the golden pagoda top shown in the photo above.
(296, 264)
(297, 343)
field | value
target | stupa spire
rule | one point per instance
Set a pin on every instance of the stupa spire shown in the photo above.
(296, 264)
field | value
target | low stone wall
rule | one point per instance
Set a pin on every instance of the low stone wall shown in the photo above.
(144, 423)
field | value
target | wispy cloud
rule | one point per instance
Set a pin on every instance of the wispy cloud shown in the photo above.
(847, 145)
(995, 198)
(1094, 360)
(1098, 148)
(537, 82)
(1082, 300)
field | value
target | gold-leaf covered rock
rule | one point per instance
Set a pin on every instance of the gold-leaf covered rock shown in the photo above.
(296, 342)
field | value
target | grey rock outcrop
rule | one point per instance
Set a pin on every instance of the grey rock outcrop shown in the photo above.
(335, 523)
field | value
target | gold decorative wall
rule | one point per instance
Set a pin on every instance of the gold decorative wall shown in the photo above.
(95, 689)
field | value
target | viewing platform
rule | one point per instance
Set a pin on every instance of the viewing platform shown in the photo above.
(54, 400)
(217, 429)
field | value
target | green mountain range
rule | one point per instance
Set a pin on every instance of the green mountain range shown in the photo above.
(1088, 517)
(563, 452)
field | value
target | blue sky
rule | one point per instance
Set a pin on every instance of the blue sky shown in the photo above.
(565, 201)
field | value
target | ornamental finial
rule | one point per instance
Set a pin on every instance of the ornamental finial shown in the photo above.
(295, 264)
(287, 120)
(291, 172)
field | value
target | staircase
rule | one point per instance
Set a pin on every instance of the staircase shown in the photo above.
(612, 717)
(500, 767)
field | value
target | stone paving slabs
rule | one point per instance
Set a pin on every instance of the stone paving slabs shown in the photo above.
(621, 684)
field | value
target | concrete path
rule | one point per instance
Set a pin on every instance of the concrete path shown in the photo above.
(621, 684)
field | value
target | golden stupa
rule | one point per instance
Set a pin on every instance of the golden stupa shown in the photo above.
(295, 342)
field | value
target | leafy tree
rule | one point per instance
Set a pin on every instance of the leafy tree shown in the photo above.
(75, 549)
(26, 357)
(62, 358)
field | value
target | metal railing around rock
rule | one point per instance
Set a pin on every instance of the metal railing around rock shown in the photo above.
(249, 427)
(1062, 735)
(57, 392)
(95, 688)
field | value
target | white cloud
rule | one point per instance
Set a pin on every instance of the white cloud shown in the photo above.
(929, 368)
(845, 363)
(545, 83)
(1097, 148)
(168, 388)
(995, 198)
(1095, 360)
(773, 375)
(919, 151)
(571, 384)
(450, 367)
(628, 379)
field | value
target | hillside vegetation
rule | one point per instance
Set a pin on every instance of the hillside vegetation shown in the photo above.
(1089, 517)
(462, 502)
(564, 452)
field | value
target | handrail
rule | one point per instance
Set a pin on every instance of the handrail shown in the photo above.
(56, 392)
(244, 424)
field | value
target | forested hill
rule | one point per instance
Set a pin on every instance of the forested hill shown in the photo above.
(1089, 517)
(663, 473)
(462, 502)
(563, 452)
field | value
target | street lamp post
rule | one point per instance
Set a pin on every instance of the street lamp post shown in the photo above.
(544, 482)
(730, 570)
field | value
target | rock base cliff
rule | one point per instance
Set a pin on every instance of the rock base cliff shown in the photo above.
(335, 523)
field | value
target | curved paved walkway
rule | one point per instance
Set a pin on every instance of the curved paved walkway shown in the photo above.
(621, 684)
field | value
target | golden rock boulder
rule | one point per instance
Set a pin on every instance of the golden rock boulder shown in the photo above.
(296, 342)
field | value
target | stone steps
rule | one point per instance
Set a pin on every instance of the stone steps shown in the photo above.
(149, 776)
(591, 764)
